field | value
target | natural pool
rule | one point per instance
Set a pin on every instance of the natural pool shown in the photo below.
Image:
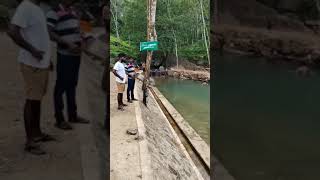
(266, 120)
(192, 101)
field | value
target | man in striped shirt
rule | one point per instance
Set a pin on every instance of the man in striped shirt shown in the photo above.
(64, 28)
(130, 68)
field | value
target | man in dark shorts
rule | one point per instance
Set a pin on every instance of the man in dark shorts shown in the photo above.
(64, 28)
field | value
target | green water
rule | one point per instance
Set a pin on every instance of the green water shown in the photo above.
(266, 120)
(192, 101)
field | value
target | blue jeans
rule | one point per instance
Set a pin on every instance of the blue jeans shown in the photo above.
(66, 82)
(130, 89)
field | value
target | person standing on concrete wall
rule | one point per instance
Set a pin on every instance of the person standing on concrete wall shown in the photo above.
(130, 68)
(104, 85)
(28, 29)
(120, 73)
(64, 28)
(105, 77)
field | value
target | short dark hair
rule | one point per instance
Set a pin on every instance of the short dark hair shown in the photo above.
(120, 55)
(304, 63)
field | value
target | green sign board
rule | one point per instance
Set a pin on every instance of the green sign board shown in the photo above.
(149, 46)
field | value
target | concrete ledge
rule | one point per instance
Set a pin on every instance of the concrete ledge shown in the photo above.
(197, 142)
(218, 172)
(89, 153)
(145, 159)
(145, 154)
(198, 174)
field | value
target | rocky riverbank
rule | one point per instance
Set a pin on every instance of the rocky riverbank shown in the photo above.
(275, 45)
(203, 76)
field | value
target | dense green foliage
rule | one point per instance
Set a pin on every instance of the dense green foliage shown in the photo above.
(194, 52)
(4, 12)
(179, 24)
(308, 10)
(5, 6)
(120, 46)
(9, 3)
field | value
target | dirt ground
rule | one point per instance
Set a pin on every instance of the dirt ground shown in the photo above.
(124, 149)
(75, 151)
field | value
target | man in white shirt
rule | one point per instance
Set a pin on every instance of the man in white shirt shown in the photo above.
(28, 29)
(120, 72)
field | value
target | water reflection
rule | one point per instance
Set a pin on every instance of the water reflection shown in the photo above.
(266, 120)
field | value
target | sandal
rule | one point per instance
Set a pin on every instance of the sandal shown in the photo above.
(45, 138)
(79, 120)
(34, 149)
(64, 126)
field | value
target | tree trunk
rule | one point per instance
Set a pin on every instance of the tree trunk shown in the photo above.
(208, 37)
(176, 49)
(152, 36)
(115, 18)
(106, 74)
(317, 3)
(174, 36)
(215, 12)
(204, 31)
